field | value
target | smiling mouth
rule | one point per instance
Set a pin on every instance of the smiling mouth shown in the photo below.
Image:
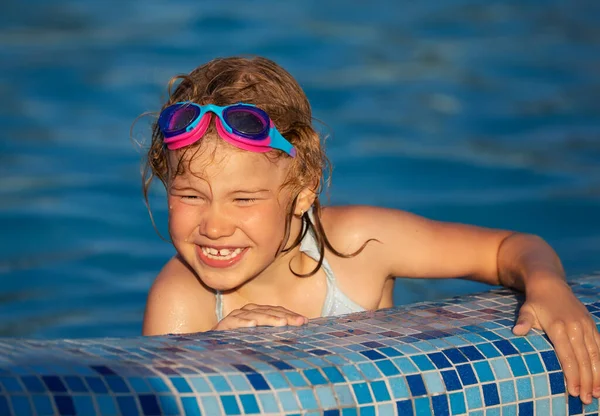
(221, 254)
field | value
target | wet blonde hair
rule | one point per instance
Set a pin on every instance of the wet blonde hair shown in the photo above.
(258, 81)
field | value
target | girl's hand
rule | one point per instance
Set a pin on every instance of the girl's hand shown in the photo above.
(553, 308)
(260, 315)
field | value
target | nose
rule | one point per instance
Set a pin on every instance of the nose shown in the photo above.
(216, 224)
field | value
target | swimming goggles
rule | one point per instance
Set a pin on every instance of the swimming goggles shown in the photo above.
(243, 125)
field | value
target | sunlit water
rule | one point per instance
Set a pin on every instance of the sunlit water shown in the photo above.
(477, 112)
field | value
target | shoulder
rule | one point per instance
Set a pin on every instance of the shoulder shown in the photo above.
(352, 225)
(178, 302)
(411, 245)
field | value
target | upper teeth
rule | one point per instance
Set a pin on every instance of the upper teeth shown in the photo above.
(224, 252)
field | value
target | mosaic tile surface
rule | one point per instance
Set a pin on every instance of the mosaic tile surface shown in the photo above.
(453, 357)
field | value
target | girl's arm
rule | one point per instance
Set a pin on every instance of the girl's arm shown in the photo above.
(528, 263)
(412, 246)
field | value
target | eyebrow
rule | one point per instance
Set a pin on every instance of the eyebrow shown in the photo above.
(250, 191)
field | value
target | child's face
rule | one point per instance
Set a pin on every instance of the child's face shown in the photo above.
(227, 213)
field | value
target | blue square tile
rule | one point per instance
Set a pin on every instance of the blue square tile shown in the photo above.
(333, 375)
(542, 407)
(390, 351)
(344, 395)
(483, 371)
(96, 385)
(559, 405)
(366, 410)
(362, 393)
(440, 405)
(404, 407)
(32, 384)
(20, 405)
(488, 350)
(116, 384)
(385, 409)
(287, 401)
(466, 374)
(190, 406)
(106, 405)
(522, 345)
(370, 371)
(258, 381)
(211, 406)
(276, 381)
(434, 383)
(526, 408)
(399, 387)
(198, 384)
(490, 336)
(505, 347)
(380, 391)
(4, 409)
(451, 380)
(541, 386)
(249, 404)
(54, 384)
(517, 366)
(168, 404)
(557, 382)
(83, 405)
(326, 397)
(507, 392)
(405, 365)
(351, 373)
(455, 356)
(423, 362)
(387, 367)
(372, 355)
(75, 384)
(508, 410)
(423, 406)
(500, 367)
(65, 405)
(416, 385)
(149, 403)
(458, 403)
(158, 385)
(181, 385)
(296, 379)
(534, 363)
(472, 353)
(550, 360)
(490, 394)
(524, 390)
(230, 405)
(307, 399)
(439, 360)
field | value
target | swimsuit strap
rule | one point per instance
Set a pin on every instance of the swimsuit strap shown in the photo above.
(219, 306)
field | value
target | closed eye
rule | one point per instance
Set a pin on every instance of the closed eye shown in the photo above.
(246, 200)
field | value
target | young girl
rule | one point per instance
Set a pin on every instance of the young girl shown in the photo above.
(243, 167)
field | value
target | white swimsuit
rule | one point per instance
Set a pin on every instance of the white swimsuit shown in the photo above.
(336, 302)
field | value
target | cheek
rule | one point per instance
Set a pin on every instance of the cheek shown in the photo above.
(264, 220)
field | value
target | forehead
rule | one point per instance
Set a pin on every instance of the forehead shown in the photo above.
(221, 164)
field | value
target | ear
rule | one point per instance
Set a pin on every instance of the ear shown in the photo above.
(304, 201)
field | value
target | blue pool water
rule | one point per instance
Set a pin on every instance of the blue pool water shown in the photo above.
(461, 110)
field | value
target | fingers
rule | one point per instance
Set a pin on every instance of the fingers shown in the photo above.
(524, 323)
(595, 362)
(577, 349)
(577, 339)
(260, 315)
(285, 315)
(566, 356)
